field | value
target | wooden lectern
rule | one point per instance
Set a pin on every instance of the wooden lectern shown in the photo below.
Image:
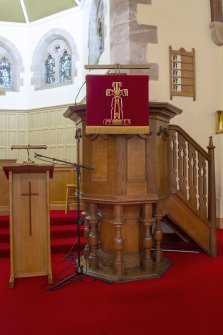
(30, 253)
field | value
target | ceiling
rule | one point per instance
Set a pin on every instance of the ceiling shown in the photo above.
(25, 11)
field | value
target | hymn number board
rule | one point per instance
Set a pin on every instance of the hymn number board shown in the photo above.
(182, 73)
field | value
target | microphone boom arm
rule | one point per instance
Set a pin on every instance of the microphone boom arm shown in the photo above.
(63, 161)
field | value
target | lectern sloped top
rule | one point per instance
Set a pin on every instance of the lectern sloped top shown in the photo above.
(28, 168)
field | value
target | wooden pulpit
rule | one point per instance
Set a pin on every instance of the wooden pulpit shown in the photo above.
(30, 253)
(122, 224)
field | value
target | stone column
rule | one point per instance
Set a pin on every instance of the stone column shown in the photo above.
(216, 25)
(129, 40)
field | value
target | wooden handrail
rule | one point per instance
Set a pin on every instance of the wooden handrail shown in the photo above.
(189, 139)
(192, 174)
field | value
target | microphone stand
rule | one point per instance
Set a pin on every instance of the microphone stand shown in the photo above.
(79, 269)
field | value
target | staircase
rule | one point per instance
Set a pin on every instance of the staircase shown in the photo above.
(190, 204)
(63, 233)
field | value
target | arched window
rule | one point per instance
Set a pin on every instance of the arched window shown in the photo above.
(5, 73)
(57, 63)
(11, 66)
(54, 60)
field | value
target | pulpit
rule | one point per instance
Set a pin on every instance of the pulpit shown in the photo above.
(122, 224)
(30, 253)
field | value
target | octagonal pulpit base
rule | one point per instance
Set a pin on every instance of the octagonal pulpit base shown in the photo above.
(107, 273)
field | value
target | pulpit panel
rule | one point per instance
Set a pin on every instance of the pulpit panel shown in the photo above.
(136, 167)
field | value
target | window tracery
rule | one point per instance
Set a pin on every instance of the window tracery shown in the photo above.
(54, 60)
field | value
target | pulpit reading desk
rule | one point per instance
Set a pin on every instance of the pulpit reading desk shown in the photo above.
(30, 253)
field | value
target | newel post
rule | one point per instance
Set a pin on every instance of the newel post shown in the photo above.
(212, 197)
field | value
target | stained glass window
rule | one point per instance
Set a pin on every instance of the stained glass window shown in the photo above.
(56, 66)
(50, 70)
(65, 67)
(5, 73)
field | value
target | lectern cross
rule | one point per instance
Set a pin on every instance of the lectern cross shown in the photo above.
(30, 194)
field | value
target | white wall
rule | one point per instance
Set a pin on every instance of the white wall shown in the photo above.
(17, 34)
(25, 38)
(186, 24)
(36, 116)
(19, 110)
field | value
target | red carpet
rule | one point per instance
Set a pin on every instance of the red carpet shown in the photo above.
(63, 232)
(187, 300)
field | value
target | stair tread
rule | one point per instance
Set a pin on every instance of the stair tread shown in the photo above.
(63, 229)
(57, 228)
(67, 228)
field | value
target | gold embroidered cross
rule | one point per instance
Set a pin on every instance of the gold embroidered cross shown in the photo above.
(116, 105)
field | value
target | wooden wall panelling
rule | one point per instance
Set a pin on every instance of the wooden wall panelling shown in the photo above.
(63, 174)
(49, 126)
(13, 130)
(4, 187)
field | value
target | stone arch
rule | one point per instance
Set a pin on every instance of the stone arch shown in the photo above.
(8, 48)
(38, 57)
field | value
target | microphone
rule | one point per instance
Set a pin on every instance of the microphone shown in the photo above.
(37, 155)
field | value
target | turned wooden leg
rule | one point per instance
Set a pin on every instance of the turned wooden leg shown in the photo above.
(118, 241)
(147, 238)
(158, 236)
(93, 237)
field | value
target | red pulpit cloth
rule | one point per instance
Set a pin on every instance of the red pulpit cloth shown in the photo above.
(117, 104)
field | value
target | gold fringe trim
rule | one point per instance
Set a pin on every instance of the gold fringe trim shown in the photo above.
(117, 130)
